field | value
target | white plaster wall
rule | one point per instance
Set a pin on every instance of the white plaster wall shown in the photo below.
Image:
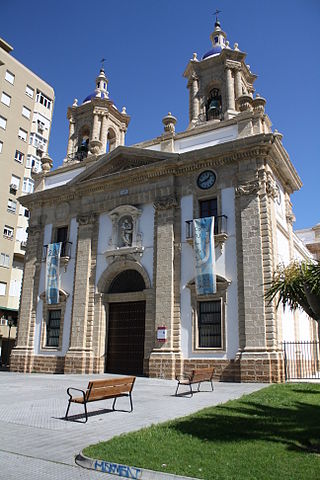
(42, 282)
(207, 139)
(280, 206)
(287, 316)
(62, 178)
(66, 284)
(145, 227)
(283, 248)
(225, 266)
(105, 232)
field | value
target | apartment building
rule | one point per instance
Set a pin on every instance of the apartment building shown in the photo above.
(26, 106)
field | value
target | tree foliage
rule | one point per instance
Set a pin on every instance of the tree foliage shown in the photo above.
(298, 286)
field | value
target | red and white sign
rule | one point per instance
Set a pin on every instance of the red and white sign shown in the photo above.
(162, 334)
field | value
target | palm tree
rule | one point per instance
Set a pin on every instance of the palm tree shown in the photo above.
(298, 286)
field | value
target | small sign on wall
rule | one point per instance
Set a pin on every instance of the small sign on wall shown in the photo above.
(162, 334)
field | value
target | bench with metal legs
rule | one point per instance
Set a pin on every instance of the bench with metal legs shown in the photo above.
(102, 390)
(198, 375)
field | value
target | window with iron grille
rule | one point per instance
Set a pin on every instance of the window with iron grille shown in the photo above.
(53, 328)
(209, 324)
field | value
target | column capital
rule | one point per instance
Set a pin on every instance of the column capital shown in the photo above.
(164, 203)
(232, 65)
(34, 229)
(249, 188)
(87, 219)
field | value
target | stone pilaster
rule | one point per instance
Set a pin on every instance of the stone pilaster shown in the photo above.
(259, 358)
(98, 334)
(23, 353)
(79, 357)
(163, 358)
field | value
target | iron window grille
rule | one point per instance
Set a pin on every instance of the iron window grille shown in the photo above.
(65, 250)
(209, 324)
(220, 226)
(53, 328)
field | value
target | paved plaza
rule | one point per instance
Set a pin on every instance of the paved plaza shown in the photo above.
(37, 443)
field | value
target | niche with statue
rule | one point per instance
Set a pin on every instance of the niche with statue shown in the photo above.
(126, 238)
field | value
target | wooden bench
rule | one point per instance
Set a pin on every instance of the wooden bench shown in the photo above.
(102, 390)
(198, 375)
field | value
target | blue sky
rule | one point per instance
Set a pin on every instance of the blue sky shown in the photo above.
(148, 44)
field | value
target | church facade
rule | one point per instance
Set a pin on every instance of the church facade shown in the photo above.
(128, 301)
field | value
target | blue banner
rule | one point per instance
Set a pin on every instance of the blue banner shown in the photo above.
(52, 273)
(203, 242)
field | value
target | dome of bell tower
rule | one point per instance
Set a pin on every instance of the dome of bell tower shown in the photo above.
(101, 87)
(218, 38)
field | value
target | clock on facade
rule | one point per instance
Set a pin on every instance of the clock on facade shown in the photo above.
(206, 179)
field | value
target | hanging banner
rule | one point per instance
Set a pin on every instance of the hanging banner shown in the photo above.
(52, 273)
(203, 242)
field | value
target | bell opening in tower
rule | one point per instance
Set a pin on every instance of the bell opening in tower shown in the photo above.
(214, 105)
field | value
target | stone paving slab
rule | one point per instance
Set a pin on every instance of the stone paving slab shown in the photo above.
(32, 407)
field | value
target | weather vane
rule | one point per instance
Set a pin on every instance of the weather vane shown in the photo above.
(102, 63)
(216, 14)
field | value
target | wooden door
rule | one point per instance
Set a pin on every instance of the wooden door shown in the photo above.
(125, 345)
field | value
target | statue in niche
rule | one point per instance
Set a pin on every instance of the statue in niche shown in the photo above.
(126, 229)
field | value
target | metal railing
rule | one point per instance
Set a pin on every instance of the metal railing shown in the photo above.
(220, 226)
(302, 360)
(65, 250)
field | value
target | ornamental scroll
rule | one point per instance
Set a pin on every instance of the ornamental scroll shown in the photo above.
(203, 240)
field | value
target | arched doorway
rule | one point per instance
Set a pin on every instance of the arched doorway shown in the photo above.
(126, 324)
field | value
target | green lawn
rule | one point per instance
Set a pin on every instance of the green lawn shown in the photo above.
(270, 434)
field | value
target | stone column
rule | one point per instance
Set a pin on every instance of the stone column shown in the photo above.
(123, 130)
(23, 353)
(238, 87)
(95, 127)
(230, 89)
(195, 99)
(79, 357)
(104, 132)
(163, 356)
(71, 140)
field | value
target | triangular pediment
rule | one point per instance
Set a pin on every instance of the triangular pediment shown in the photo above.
(119, 160)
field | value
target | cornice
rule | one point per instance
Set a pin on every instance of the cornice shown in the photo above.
(168, 164)
(284, 168)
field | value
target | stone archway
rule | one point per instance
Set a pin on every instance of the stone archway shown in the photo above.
(127, 298)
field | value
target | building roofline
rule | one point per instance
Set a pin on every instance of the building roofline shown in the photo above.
(27, 69)
(5, 45)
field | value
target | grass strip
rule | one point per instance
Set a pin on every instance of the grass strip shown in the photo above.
(270, 434)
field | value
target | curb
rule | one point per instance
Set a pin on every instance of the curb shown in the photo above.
(124, 471)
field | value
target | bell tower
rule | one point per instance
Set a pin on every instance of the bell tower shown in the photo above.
(96, 126)
(217, 81)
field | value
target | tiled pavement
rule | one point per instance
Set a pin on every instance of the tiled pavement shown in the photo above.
(36, 443)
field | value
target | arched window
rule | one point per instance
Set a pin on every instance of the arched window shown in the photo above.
(111, 140)
(83, 143)
(127, 281)
(213, 105)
